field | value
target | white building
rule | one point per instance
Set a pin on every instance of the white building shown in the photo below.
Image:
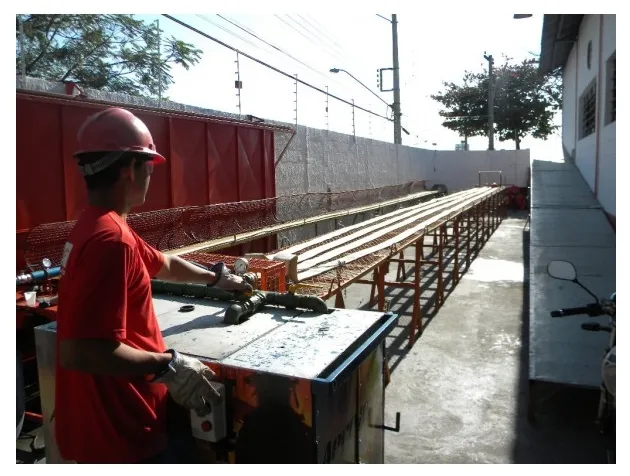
(584, 46)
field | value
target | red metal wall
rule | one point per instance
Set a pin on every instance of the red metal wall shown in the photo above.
(207, 161)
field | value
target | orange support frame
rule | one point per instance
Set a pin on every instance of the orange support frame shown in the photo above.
(471, 229)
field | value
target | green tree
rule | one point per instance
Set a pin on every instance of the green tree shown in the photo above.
(525, 102)
(108, 52)
(466, 111)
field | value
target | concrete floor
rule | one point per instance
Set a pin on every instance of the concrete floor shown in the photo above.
(462, 388)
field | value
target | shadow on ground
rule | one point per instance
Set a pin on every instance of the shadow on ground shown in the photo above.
(563, 430)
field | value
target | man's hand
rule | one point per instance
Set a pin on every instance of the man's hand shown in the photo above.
(232, 282)
(178, 270)
(228, 281)
(189, 383)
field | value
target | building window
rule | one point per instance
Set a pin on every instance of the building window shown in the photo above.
(588, 109)
(589, 54)
(611, 89)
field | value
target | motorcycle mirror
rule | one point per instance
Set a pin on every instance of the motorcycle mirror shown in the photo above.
(562, 270)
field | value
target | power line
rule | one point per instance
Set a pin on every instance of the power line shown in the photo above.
(315, 36)
(229, 32)
(326, 48)
(302, 34)
(290, 76)
(252, 33)
(321, 34)
(331, 36)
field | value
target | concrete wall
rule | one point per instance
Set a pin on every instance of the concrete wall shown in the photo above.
(316, 160)
(595, 155)
(570, 105)
(586, 146)
(606, 190)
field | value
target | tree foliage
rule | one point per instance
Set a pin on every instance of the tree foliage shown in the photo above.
(107, 52)
(525, 102)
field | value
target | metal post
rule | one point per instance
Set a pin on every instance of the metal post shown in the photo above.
(486, 223)
(327, 124)
(296, 104)
(477, 228)
(401, 272)
(353, 125)
(495, 209)
(490, 101)
(456, 265)
(483, 224)
(382, 271)
(339, 301)
(22, 50)
(439, 299)
(238, 82)
(396, 105)
(468, 236)
(373, 290)
(416, 317)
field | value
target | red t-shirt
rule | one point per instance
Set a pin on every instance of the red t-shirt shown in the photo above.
(105, 293)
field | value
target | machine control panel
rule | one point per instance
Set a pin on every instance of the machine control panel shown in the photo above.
(212, 426)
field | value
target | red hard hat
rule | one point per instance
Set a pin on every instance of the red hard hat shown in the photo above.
(116, 130)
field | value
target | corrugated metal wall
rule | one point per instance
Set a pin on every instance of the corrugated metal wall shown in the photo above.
(208, 161)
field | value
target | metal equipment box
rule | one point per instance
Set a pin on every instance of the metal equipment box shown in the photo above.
(300, 387)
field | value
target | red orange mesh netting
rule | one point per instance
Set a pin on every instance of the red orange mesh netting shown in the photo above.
(174, 228)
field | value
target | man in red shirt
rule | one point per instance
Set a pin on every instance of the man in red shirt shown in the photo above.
(113, 368)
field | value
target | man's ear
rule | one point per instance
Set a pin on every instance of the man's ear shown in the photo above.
(129, 171)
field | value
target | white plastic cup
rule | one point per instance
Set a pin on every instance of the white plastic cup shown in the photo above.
(31, 298)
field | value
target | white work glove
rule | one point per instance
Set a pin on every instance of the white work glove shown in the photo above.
(228, 281)
(188, 381)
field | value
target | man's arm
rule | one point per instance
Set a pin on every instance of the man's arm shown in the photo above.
(109, 357)
(175, 269)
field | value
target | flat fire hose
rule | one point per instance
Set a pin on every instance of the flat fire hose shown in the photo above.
(243, 305)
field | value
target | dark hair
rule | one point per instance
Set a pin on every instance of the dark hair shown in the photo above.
(108, 177)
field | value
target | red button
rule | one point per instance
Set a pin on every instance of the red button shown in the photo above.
(206, 426)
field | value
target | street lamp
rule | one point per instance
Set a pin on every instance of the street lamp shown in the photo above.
(520, 16)
(337, 70)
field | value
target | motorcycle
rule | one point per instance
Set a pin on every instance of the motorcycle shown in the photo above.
(564, 270)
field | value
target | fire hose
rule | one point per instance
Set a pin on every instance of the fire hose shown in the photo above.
(243, 305)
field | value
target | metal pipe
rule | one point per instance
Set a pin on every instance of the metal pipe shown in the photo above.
(191, 290)
(243, 305)
(37, 276)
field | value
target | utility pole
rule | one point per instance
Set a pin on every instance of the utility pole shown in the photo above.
(396, 105)
(490, 60)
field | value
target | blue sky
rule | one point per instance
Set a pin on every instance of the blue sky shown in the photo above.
(432, 48)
